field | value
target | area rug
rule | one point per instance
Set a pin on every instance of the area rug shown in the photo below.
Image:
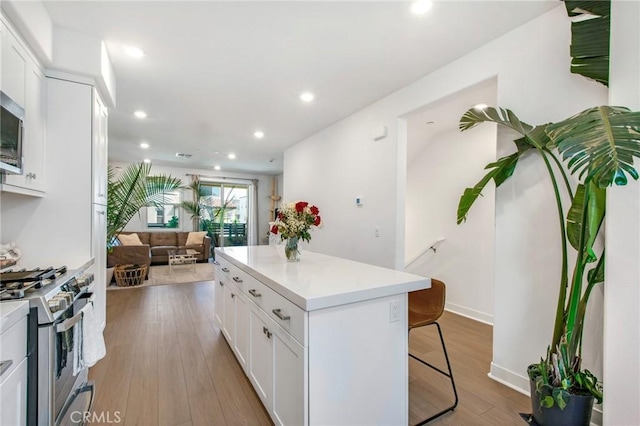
(159, 275)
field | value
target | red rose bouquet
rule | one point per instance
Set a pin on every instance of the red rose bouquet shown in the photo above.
(295, 220)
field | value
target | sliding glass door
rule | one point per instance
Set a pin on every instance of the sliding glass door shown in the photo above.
(225, 213)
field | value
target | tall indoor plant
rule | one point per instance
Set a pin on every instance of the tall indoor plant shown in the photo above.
(133, 189)
(599, 145)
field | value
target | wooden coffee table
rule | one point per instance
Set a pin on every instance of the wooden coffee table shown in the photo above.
(182, 257)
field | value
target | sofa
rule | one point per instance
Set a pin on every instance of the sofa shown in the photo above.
(155, 248)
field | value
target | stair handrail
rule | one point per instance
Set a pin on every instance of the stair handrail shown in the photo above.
(433, 247)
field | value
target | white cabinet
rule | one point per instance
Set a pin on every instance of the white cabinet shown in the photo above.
(277, 370)
(289, 390)
(13, 394)
(24, 82)
(234, 314)
(322, 347)
(13, 363)
(14, 67)
(270, 356)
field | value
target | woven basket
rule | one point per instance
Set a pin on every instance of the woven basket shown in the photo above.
(129, 275)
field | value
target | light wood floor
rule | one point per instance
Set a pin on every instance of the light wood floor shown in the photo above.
(168, 364)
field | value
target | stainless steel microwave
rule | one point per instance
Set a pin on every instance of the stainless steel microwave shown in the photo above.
(11, 134)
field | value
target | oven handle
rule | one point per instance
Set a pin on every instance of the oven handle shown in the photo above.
(69, 323)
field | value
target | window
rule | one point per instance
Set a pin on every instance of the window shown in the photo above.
(165, 214)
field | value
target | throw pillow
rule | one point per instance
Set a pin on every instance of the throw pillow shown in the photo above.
(129, 239)
(195, 238)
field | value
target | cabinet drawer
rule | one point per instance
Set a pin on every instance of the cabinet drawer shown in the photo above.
(14, 346)
(285, 314)
(224, 268)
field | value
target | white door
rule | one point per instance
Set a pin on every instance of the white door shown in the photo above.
(289, 390)
(218, 303)
(229, 320)
(241, 342)
(261, 357)
(13, 394)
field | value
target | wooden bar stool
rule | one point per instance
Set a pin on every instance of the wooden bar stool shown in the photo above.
(425, 308)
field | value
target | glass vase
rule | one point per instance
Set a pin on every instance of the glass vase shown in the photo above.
(291, 250)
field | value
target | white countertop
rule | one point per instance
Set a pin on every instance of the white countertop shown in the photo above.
(319, 281)
(11, 313)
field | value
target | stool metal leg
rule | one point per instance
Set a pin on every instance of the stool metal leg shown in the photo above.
(449, 375)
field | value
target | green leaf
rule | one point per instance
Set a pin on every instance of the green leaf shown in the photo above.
(560, 397)
(500, 171)
(596, 210)
(600, 143)
(590, 39)
(506, 117)
(547, 402)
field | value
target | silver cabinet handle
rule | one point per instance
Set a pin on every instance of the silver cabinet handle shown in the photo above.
(279, 314)
(101, 212)
(233, 296)
(266, 331)
(221, 284)
(237, 279)
(215, 262)
(100, 195)
(225, 269)
(4, 366)
(254, 293)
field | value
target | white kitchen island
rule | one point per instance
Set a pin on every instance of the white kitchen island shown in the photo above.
(324, 341)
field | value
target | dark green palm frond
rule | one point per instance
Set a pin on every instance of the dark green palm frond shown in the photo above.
(600, 143)
(590, 38)
(500, 171)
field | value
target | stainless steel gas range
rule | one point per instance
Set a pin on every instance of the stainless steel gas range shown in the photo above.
(56, 298)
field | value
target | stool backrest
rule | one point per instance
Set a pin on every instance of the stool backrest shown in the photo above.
(426, 306)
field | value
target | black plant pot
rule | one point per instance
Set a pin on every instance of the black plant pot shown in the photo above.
(576, 413)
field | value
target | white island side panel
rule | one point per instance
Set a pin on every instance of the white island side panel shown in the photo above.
(319, 281)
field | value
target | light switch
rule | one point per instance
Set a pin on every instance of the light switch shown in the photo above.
(359, 201)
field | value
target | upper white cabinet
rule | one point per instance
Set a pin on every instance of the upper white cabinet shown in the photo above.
(14, 67)
(24, 82)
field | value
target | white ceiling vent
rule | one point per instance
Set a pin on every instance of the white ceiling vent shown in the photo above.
(183, 155)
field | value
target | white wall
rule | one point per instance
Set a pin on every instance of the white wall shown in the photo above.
(622, 274)
(436, 178)
(264, 192)
(333, 166)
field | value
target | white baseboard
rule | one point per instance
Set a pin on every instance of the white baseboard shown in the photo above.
(520, 383)
(469, 313)
(510, 379)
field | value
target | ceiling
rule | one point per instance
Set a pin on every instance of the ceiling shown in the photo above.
(215, 72)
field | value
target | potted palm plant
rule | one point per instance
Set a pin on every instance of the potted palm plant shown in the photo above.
(599, 145)
(133, 189)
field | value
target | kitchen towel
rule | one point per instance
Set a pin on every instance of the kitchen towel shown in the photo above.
(93, 348)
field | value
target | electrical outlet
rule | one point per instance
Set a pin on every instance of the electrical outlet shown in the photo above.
(394, 311)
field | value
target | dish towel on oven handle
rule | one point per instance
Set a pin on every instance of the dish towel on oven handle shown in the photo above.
(89, 345)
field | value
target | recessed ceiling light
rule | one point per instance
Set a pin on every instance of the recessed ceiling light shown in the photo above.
(146, 160)
(216, 152)
(231, 156)
(140, 114)
(144, 145)
(216, 167)
(258, 134)
(480, 106)
(134, 52)
(307, 96)
(420, 7)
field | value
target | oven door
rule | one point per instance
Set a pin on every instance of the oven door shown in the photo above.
(73, 395)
